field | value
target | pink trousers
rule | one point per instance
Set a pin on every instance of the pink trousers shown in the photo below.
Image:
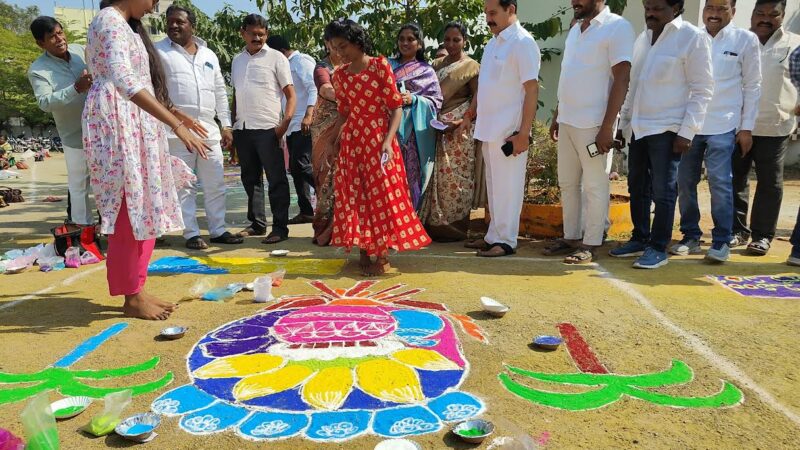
(127, 259)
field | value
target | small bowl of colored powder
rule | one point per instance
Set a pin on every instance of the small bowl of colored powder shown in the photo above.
(547, 342)
(473, 431)
(139, 428)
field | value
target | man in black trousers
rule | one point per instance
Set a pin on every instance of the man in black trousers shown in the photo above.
(259, 76)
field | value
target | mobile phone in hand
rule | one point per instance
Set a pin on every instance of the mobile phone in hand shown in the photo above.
(592, 149)
(508, 147)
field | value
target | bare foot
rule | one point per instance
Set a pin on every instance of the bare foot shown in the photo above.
(378, 268)
(171, 307)
(364, 262)
(139, 307)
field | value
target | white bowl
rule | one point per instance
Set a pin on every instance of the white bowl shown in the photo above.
(398, 444)
(279, 253)
(139, 428)
(492, 305)
(69, 407)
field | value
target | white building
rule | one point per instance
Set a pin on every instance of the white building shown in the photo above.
(534, 11)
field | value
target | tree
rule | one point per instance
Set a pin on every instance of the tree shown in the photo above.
(16, 19)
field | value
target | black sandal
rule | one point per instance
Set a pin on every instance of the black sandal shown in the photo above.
(274, 239)
(507, 250)
(227, 238)
(759, 247)
(196, 243)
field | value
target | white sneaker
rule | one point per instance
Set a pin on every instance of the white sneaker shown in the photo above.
(686, 247)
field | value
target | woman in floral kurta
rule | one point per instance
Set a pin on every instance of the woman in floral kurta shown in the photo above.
(130, 167)
(372, 209)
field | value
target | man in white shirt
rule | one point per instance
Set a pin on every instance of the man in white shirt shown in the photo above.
(731, 116)
(775, 122)
(298, 137)
(595, 73)
(260, 75)
(671, 86)
(505, 107)
(196, 87)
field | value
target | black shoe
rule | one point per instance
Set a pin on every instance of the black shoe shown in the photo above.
(227, 238)
(301, 218)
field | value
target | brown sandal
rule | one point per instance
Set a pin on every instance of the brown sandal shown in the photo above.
(558, 247)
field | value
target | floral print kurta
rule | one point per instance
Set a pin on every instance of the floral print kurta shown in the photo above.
(126, 148)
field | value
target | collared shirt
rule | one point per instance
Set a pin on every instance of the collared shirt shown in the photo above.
(195, 84)
(53, 82)
(509, 60)
(586, 77)
(302, 67)
(778, 94)
(259, 81)
(736, 58)
(671, 82)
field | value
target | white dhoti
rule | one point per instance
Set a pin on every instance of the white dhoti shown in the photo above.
(585, 189)
(78, 184)
(211, 177)
(505, 185)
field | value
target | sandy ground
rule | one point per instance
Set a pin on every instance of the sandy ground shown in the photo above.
(636, 321)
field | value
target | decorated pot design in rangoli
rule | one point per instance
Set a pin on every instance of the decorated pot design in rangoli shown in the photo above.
(330, 366)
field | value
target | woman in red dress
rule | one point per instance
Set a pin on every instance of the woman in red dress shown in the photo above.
(372, 207)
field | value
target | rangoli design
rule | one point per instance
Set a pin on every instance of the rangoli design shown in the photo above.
(762, 286)
(217, 265)
(605, 388)
(69, 382)
(329, 366)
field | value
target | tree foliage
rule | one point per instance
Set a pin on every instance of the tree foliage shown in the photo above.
(19, 51)
(302, 22)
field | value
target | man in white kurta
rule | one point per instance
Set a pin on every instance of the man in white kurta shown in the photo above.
(196, 87)
(508, 91)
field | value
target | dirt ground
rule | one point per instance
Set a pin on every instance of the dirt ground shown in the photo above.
(637, 322)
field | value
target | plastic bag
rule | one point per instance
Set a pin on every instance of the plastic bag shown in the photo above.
(53, 263)
(203, 285)
(520, 440)
(49, 251)
(105, 422)
(218, 294)
(7, 174)
(72, 257)
(10, 442)
(40, 424)
(277, 277)
(89, 258)
(13, 254)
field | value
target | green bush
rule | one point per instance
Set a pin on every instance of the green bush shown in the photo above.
(541, 176)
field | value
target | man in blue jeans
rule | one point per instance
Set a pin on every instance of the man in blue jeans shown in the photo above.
(730, 118)
(671, 86)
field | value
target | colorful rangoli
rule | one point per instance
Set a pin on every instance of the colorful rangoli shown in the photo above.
(330, 367)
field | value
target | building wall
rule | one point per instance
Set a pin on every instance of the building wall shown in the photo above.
(534, 11)
(77, 20)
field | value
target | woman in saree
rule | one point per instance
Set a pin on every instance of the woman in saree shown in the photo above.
(422, 100)
(450, 196)
(323, 137)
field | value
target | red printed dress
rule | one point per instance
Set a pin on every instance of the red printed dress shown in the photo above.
(372, 207)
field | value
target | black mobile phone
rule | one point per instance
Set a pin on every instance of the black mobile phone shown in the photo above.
(508, 147)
